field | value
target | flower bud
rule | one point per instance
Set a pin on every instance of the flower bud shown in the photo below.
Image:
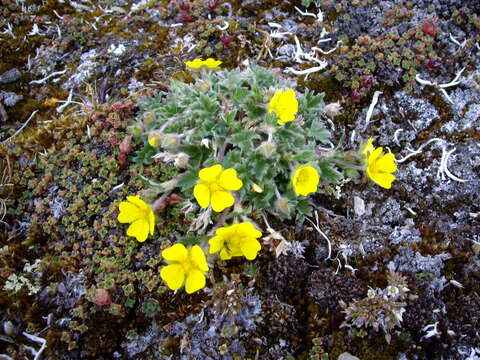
(333, 109)
(267, 149)
(283, 205)
(257, 188)
(135, 129)
(181, 160)
(169, 141)
(148, 117)
(154, 138)
(203, 85)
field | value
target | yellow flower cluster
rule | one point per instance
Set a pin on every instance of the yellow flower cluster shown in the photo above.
(379, 167)
(187, 266)
(210, 63)
(214, 187)
(285, 106)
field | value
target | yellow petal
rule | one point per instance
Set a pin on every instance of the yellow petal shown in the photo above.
(375, 155)
(201, 192)
(212, 63)
(137, 201)
(211, 173)
(247, 229)
(383, 179)
(274, 102)
(367, 148)
(305, 180)
(387, 163)
(195, 281)
(257, 188)
(128, 212)
(198, 256)
(173, 275)
(229, 180)
(216, 243)
(221, 200)
(195, 64)
(151, 221)
(250, 248)
(139, 229)
(177, 253)
(225, 254)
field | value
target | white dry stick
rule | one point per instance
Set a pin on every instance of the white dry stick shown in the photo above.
(306, 71)
(419, 150)
(66, 103)
(445, 168)
(395, 136)
(275, 25)
(327, 51)
(56, 14)
(305, 13)
(19, 130)
(462, 44)
(38, 340)
(317, 227)
(224, 27)
(442, 87)
(176, 25)
(41, 81)
(372, 106)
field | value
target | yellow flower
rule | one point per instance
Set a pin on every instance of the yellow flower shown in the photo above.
(285, 105)
(214, 185)
(236, 240)
(305, 180)
(210, 63)
(139, 214)
(186, 267)
(380, 167)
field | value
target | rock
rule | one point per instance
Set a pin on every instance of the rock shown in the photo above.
(9, 98)
(3, 114)
(358, 206)
(347, 356)
(10, 76)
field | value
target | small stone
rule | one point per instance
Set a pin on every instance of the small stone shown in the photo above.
(8, 328)
(347, 356)
(358, 206)
(10, 76)
(10, 98)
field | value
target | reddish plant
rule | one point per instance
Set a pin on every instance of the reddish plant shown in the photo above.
(433, 64)
(430, 28)
(226, 40)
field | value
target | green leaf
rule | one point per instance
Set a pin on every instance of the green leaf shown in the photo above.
(198, 154)
(318, 131)
(244, 140)
(327, 173)
(188, 179)
(144, 156)
(191, 240)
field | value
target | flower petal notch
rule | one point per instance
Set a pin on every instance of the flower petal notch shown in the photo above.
(140, 216)
(380, 168)
(186, 267)
(236, 240)
(305, 180)
(285, 106)
(214, 187)
(210, 63)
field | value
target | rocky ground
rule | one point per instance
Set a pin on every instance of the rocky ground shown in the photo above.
(406, 261)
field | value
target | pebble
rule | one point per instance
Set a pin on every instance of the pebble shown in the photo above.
(10, 76)
(358, 206)
(347, 356)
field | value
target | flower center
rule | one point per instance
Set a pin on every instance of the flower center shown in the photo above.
(188, 265)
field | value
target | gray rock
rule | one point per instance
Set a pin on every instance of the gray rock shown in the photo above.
(347, 356)
(10, 98)
(10, 76)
